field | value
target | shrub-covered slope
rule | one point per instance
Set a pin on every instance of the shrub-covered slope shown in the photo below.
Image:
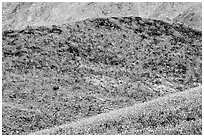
(65, 73)
(177, 114)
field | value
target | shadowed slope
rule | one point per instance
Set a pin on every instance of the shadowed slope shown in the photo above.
(169, 111)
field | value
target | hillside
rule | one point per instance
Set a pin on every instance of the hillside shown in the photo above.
(175, 114)
(63, 73)
(19, 15)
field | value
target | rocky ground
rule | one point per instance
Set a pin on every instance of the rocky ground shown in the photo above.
(174, 114)
(19, 15)
(64, 73)
(55, 73)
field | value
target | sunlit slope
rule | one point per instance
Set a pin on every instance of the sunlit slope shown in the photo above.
(179, 113)
(18, 15)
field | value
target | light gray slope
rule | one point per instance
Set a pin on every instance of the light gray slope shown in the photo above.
(19, 15)
(92, 124)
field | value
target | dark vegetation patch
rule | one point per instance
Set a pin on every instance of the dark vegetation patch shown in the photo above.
(99, 65)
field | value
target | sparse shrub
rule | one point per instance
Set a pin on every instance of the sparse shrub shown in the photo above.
(132, 49)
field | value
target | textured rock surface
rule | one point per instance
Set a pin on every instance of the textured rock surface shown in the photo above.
(20, 15)
(64, 73)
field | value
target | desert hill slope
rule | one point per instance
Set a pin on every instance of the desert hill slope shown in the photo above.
(64, 73)
(179, 110)
(19, 15)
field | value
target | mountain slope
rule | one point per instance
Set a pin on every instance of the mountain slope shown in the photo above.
(162, 113)
(192, 17)
(19, 15)
(61, 74)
